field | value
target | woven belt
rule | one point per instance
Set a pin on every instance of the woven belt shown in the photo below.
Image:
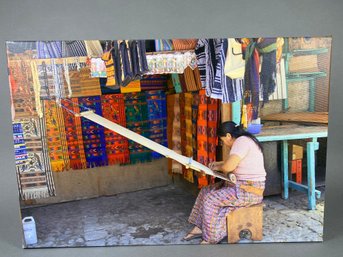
(252, 189)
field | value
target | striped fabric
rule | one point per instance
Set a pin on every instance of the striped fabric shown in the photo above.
(117, 146)
(190, 80)
(212, 206)
(19, 144)
(56, 136)
(73, 131)
(170, 121)
(188, 173)
(205, 54)
(49, 49)
(73, 48)
(176, 83)
(154, 82)
(163, 45)
(35, 179)
(176, 135)
(82, 84)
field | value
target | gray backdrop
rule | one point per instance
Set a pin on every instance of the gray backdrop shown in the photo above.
(148, 19)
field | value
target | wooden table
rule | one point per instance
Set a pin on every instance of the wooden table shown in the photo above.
(292, 132)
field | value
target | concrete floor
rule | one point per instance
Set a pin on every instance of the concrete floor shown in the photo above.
(159, 217)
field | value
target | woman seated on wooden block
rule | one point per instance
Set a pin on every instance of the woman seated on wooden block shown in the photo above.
(215, 201)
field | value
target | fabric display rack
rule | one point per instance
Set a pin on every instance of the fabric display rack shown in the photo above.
(168, 91)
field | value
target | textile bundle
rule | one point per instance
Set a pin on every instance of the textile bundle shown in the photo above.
(137, 120)
(56, 136)
(34, 174)
(117, 146)
(73, 131)
(93, 134)
(157, 109)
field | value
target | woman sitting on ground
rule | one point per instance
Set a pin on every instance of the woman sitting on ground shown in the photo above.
(215, 201)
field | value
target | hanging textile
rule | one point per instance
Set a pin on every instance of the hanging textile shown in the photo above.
(170, 121)
(107, 57)
(73, 131)
(190, 81)
(19, 144)
(188, 173)
(73, 48)
(183, 82)
(234, 63)
(16, 47)
(251, 75)
(197, 78)
(184, 44)
(98, 68)
(21, 84)
(195, 107)
(56, 136)
(267, 47)
(163, 45)
(154, 82)
(35, 178)
(93, 48)
(36, 88)
(132, 87)
(143, 64)
(49, 49)
(82, 84)
(176, 83)
(133, 51)
(182, 103)
(117, 146)
(93, 134)
(157, 108)
(126, 67)
(176, 135)
(137, 120)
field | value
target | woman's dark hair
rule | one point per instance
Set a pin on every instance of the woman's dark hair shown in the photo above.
(236, 131)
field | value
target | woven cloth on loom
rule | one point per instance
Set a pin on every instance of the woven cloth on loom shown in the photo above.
(137, 120)
(117, 146)
(56, 136)
(157, 108)
(35, 178)
(176, 135)
(188, 173)
(170, 120)
(21, 84)
(207, 130)
(73, 131)
(154, 82)
(93, 133)
(82, 84)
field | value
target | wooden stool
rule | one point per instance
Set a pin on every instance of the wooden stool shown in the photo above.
(245, 222)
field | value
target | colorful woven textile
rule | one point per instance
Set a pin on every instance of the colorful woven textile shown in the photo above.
(98, 68)
(170, 121)
(212, 206)
(107, 57)
(73, 48)
(176, 83)
(35, 179)
(191, 83)
(117, 146)
(184, 44)
(73, 131)
(82, 84)
(176, 136)
(93, 133)
(56, 136)
(132, 87)
(21, 85)
(188, 173)
(207, 129)
(154, 82)
(157, 107)
(19, 144)
(137, 120)
(93, 48)
(195, 107)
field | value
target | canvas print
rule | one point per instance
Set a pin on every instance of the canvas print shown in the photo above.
(170, 141)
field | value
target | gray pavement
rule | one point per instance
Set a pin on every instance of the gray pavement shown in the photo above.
(159, 216)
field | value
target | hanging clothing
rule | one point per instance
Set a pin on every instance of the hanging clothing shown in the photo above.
(126, 65)
(107, 57)
(184, 44)
(234, 64)
(93, 48)
(204, 62)
(176, 137)
(188, 173)
(73, 48)
(117, 146)
(49, 49)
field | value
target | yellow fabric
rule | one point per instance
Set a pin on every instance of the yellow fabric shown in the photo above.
(133, 86)
(234, 63)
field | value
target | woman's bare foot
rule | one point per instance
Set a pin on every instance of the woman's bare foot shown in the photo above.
(194, 233)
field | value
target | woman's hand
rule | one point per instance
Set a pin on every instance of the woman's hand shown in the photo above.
(215, 165)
